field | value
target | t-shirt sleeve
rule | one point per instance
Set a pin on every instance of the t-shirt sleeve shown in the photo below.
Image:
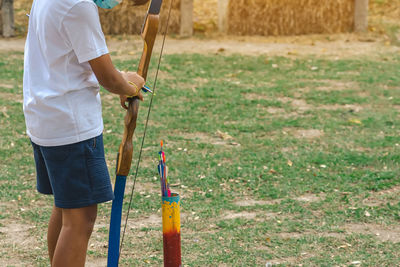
(84, 33)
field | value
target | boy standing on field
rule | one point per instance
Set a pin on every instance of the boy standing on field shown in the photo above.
(66, 58)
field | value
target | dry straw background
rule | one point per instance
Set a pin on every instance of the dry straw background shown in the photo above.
(128, 19)
(290, 17)
(247, 17)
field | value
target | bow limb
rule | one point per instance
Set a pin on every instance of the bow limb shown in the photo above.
(149, 33)
(124, 160)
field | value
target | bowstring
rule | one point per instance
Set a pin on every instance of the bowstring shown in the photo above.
(145, 130)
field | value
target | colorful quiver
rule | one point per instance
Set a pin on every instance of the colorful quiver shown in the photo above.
(171, 230)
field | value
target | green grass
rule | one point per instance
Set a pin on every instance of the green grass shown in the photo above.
(269, 109)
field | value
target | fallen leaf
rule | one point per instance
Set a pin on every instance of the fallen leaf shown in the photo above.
(4, 111)
(224, 136)
(290, 163)
(355, 121)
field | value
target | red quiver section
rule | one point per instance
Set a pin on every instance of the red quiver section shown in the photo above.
(172, 249)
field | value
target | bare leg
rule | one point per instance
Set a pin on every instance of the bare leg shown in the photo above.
(77, 226)
(53, 230)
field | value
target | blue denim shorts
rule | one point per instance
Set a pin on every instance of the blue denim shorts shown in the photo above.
(76, 174)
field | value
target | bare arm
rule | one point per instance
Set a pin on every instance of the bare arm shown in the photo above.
(114, 81)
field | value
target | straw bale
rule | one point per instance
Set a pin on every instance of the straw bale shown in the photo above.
(386, 10)
(290, 17)
(205, 15)
(128, 19)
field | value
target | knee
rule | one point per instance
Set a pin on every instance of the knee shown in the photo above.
(81, 221)
(90, 217)
(81, 227)
(88, 221)
(88, 225)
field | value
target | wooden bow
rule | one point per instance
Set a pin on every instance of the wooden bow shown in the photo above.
(124, 158)
(149, 32)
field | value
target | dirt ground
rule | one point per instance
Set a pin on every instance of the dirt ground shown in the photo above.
(325, 46)
(328, 46)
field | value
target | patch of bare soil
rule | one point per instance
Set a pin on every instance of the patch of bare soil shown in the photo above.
(396, 107)
(337, 85)
(145, 188)
(252, 202)
(348, 107)
(220, 138)
(95, 262)
(247, 202)
(6, 85)
(390, 191)
(383, 197)
(300, 105)
(291, 261)
(16, 236)
(244, 215)
(310, 198)
(255, 96)
(383, 233)
(336, 46)
(153, 219)
(308, 133)
(297, 235)
(11, 97)
(332, 46)
(256, 216)
(272, 110)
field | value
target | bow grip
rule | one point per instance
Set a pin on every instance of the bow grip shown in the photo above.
(126, 147)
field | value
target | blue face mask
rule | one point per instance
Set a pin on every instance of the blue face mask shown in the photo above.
(107, 4)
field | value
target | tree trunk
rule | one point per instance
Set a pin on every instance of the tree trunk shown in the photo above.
(361, 16)
(186, 29)
(223, 15)
(1, 19)
(7, 16)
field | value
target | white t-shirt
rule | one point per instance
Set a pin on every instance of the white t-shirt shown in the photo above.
(61, 93)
